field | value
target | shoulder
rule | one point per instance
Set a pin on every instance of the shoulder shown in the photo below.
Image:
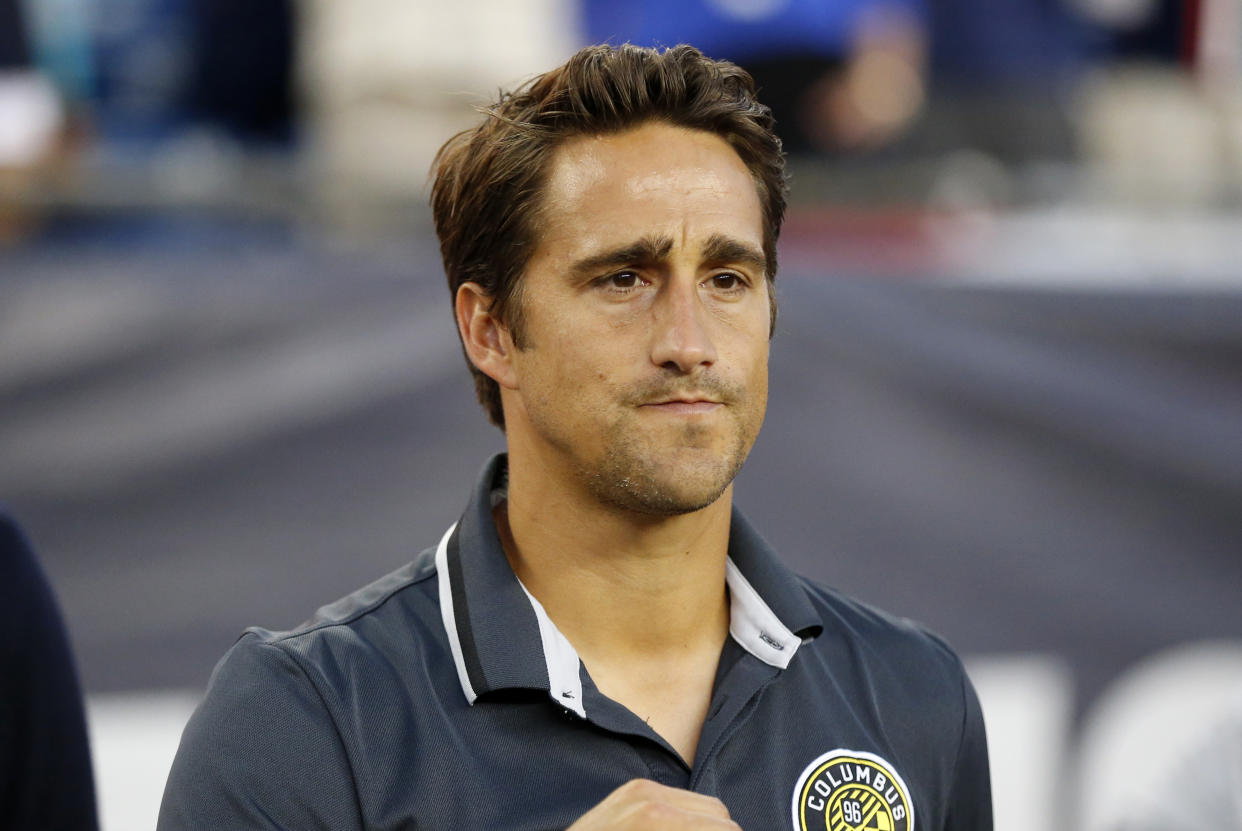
(852, 618)
(45, 761)
(897, 658)
(384, 622)
(16, 557)
(908, 684)
(279, 698)
(27, 604)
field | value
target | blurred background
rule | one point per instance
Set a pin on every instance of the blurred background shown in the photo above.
(1006, 382)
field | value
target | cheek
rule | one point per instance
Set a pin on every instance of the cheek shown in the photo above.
(749, 319)
(753, 343)
(760, 380)
(757, 375)
(566, 370)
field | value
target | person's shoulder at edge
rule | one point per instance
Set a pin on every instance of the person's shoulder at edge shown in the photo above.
(14, 548)
(45, 765)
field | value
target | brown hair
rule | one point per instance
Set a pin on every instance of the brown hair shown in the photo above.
(488, 180)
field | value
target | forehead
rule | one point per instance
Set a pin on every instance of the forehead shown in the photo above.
(654, 180)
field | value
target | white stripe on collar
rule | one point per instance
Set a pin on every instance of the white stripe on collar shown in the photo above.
(564, 680)
(754, 625)
(446, 613)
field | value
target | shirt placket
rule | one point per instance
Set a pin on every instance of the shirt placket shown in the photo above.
(733, 701)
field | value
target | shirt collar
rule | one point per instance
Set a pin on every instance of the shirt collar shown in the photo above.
(501, 637)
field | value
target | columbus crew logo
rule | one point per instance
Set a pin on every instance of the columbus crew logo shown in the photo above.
(847, 790)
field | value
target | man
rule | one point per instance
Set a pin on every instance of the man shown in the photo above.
(600, 641)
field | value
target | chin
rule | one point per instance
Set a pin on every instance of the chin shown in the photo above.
(658, 502)
(675, 484)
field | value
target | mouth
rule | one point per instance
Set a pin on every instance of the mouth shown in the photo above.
(683, 406)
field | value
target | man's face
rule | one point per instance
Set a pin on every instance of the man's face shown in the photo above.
(643, 373)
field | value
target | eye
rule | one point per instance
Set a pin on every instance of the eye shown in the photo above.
(727, 281)
(621, 282)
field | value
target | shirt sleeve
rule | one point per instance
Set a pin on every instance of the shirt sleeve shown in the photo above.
(970, 800)
(260, 752)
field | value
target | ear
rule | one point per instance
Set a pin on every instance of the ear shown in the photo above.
(487, 341)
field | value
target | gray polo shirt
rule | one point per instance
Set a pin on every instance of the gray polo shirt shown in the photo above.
(443, 697)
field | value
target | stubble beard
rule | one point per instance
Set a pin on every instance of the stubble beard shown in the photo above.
(630, 479)
(637, 473)
(680, 478)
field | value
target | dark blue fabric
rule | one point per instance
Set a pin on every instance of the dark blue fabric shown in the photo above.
(357, 718)
(45, 769)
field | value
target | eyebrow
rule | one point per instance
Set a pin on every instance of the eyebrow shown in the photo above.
(718, 250)
(722, 250)
(645, 251)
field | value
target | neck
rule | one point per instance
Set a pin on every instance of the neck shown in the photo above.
(619, 584)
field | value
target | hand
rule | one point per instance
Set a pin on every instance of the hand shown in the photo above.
(643, 805)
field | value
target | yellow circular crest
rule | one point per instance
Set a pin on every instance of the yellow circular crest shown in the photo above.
(848, 790)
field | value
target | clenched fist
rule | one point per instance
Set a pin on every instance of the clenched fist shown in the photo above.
(643, 805)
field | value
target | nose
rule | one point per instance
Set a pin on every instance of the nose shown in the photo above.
(681, 340)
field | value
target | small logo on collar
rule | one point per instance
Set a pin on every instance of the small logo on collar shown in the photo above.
(771, 641)
(848, 790)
